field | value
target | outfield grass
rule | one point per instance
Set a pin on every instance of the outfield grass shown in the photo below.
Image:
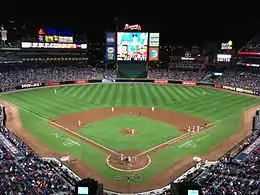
(221, 107)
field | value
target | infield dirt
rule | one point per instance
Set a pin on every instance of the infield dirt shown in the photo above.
(84, 170)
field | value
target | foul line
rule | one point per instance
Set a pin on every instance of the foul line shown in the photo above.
(165, 143)
(82, 137)
(66, 129)
(129, 170)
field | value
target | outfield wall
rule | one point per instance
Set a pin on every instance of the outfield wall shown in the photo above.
(151, 81)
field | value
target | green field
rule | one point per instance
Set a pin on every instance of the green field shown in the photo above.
(222, 108)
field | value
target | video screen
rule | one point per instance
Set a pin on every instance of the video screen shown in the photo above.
(132, 46)
(83, 191)
(193, 192)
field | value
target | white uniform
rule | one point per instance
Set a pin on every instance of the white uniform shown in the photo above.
(55, 91)
(113, 109)
(79, 123)
(132, 131)
(122, 157)
(153, 109)
(198, 128)
(189, 128)
(193, 128)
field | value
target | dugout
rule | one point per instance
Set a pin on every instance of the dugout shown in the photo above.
(132, 69)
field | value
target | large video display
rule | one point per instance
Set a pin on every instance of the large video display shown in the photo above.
(132, 46)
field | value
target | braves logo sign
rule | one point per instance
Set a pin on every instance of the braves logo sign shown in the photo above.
(133, 27)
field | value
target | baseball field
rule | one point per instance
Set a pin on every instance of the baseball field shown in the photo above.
(78, 120)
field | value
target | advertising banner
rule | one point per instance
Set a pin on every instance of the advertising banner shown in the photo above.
(189, 82)
(52, 83)
(39, 45)
(31, 85)
(110, 53)
(161, 81)
(132, 46)
(229, 88)
(108, 80)
(218, 86)
(153, 53)
(81, 82)
(111, 39)
(154, 39)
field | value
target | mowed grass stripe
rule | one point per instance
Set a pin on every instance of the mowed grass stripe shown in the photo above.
(97, 95)
(114, 94)
(134, 94)
(163, 96)
(139, 95)
(147, 94)
(152, 94)
(170, 93)
(144, 99)
(104, 98)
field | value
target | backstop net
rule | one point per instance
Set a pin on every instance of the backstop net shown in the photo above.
(132, 69)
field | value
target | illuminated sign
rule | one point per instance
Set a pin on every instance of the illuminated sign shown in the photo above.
(153, 54)
(223, 57)
(227, 46)
(154, 39)
(111, 38)
(38, 45)
(110, 53)
(133, 27)
(54, 32)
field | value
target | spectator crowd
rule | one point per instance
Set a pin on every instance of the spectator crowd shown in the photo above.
(30, 174)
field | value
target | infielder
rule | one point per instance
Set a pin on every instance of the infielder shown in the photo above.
(113, 109)
(132, 131)
(189, 129)
(79, 123)
(193, 128)
(122, 157)
(153, 109)
(198, 128)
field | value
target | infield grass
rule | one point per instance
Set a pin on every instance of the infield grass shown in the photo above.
(149, 133)
(221, 107)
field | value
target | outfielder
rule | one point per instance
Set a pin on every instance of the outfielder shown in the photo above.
(79, 123)
(153, 109)
(55, 91)
(113, 109)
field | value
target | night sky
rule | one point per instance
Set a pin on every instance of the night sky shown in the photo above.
(177, 25)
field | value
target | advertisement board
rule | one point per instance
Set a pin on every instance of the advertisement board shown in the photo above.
(161, 81)
(132, 46)
(110, 53)
(111, 39)
(224, 57)
(189, 82)
(153, 53)
(38, 45)
(154, 39)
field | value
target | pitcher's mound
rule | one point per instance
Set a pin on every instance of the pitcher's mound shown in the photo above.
(129, 131)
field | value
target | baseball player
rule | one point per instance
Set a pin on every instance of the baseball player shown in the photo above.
(113, 109)
(198, 128)
(193, 128)
(189, 129)
(55, 91)
(153, 109)
(79, 123)
(132, 131)
(122, 157)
